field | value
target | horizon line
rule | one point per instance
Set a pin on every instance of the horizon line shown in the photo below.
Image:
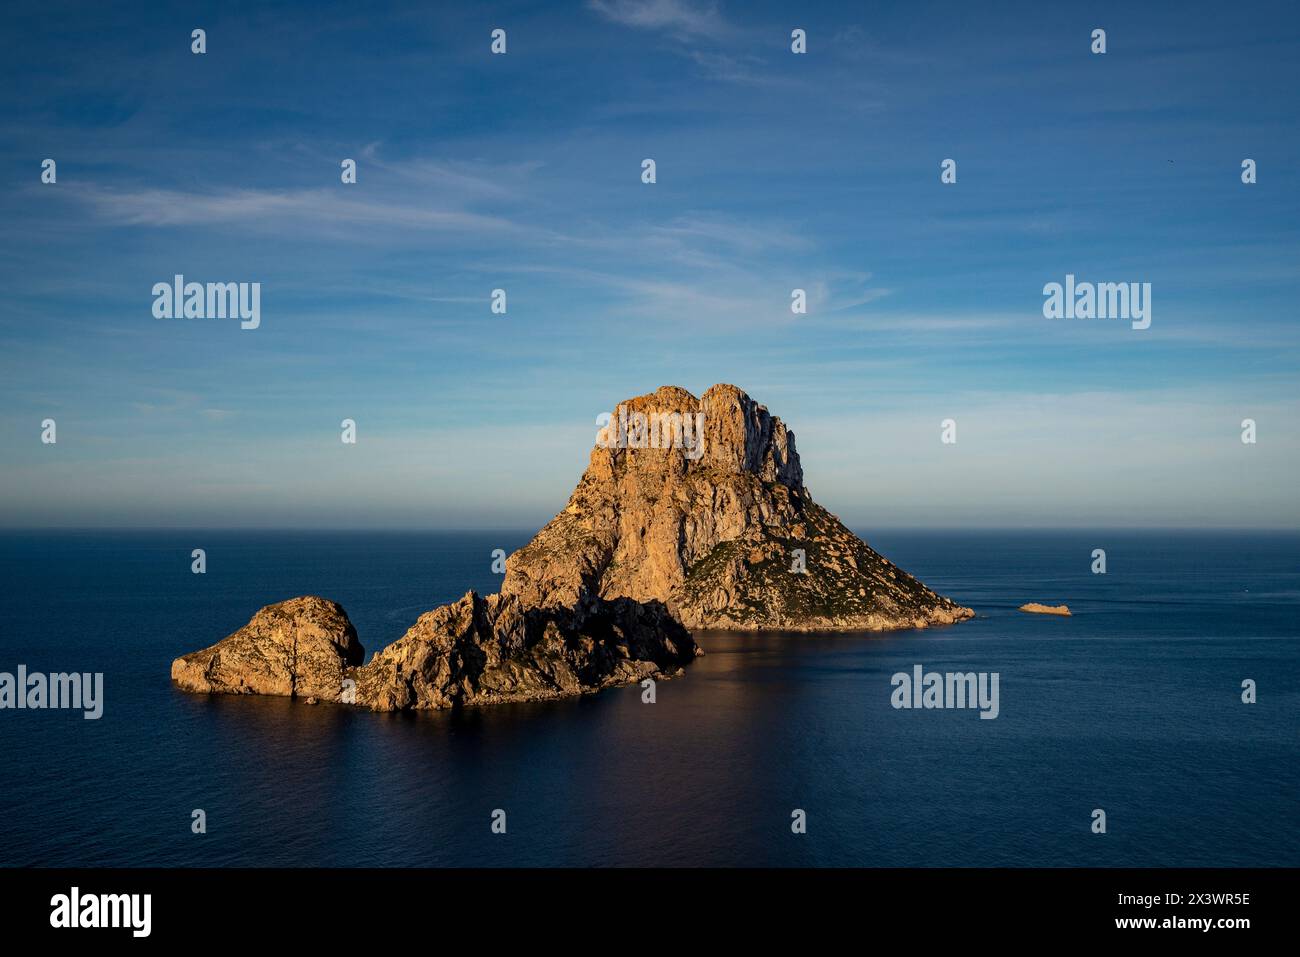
(532, 530)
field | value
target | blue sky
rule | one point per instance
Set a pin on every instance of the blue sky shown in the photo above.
(522, 171)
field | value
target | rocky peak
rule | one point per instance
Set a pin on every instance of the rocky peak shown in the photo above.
(712, 529)
(741, 436)
(670, 430)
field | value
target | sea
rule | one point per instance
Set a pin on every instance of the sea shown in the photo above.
(773, 749)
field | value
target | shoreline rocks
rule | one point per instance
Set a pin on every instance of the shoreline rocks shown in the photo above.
(478, 650)
(489, 650)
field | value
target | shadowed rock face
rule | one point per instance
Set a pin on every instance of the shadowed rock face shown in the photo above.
(490, 650)
(473, 651)
(300, 648)
(713, 533)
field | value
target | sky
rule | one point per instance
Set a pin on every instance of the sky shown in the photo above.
(523, 172)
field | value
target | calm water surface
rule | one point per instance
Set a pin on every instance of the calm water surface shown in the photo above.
(1133, 706)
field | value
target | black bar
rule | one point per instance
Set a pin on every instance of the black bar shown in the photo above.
(333, 906)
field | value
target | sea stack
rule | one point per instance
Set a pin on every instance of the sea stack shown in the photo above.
(726, 535)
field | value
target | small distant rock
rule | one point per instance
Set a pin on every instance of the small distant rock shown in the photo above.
(1035, 608)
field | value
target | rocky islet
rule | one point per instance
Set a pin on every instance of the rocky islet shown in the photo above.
(692, 514)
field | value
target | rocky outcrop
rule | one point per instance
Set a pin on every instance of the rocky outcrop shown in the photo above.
(300, 648)
(1034, 608)
(474, 651)
(723, 532)
(692, 513)
(491, 650)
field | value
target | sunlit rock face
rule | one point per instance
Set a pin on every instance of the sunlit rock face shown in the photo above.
(300, 648)
(722, 531)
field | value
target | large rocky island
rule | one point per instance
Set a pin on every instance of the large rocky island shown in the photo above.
(692, 514)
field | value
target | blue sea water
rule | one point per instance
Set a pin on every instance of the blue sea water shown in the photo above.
(1133, 705)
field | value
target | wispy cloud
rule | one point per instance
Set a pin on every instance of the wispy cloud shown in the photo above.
(747, 69)
(776, 172)
(481, 180)
(281, 208)
(748, 236)
(676, 17)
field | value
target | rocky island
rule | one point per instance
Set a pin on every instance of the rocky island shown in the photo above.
(692, 514)
(730, 539)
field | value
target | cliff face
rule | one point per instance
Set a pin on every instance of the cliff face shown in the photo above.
(714, 530)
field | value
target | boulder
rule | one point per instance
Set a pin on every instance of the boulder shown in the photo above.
(301, 648)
